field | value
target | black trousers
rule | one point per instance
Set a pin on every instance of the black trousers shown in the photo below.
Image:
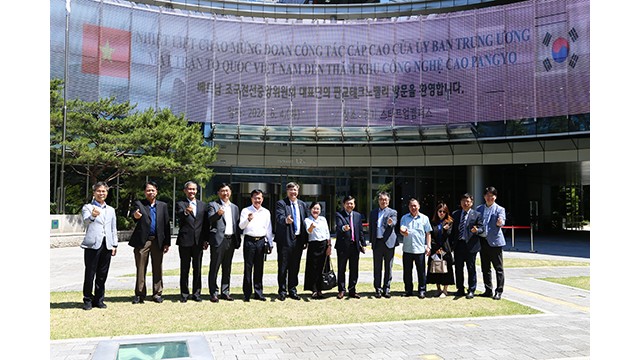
(490, 255)
(382, 255)
(96, 267)
(464, 258)
(190, 256)
(408, 260)
(351, 255)
(253, 253)
(221, 256)
(316, 257)
(289, 267)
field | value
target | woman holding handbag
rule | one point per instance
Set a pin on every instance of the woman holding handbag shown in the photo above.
(440, 274)
(318, 250)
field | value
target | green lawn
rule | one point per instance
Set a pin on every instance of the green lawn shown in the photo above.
(580, 282)
(68, 320)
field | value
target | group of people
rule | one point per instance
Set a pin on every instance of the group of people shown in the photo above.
(222, 227)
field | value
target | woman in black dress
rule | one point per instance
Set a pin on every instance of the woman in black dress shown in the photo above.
(441, 224)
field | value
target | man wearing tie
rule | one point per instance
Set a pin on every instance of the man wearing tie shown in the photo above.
(291, 239)
(151, 236)
(224, 238)
(349, 244)
(465, 244)
(383, 242)
(491, 242)
(194, 230)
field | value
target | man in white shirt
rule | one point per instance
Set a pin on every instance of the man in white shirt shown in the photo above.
(255, 221)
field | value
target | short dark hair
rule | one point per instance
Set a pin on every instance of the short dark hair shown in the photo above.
(384, 193)
(314, 204)
(348, 198)
(466, 196)
(256, 191)
(152, 183)
(491, 190)
(99, 184)
(224, 185)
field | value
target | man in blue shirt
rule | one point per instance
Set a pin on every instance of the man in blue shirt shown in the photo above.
(151, 236)
(415, 229)
(491, 242)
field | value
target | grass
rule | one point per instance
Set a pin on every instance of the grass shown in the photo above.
(366, 264)
(68, 320)
(580, 282)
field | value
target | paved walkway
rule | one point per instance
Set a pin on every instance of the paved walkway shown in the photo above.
(562, 331)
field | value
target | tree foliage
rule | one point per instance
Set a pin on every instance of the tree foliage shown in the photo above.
(106, 139)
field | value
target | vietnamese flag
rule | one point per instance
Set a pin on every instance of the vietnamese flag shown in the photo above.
(105, 51)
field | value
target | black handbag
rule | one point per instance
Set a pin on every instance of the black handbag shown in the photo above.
(438, 266)
(329, 280)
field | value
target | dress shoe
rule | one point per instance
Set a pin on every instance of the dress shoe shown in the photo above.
(469, 295)
(137, 300)
(487, 293)
(87, 306)
(100, 305)
(407, 294)
(158, 299)
(294, 296)
(261, 298)
(214, 298)
(378, 294)
(354, 295)
(387, 294)
(340, 295)
(246, 299)
(197, 298)
(497, 296)
(226, 297)
(314, 295)
(460, 293)
(422, 295)
(183, 299)
(281, 297)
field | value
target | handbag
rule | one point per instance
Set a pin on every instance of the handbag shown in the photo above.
(329, 280)
(438, 266)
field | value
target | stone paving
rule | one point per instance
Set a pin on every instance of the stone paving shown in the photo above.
(561, 331)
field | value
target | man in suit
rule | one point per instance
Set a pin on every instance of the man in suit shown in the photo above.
(466, 244)
(255, 221)
(194, 230)
(291, 240)
(383, 242)
(151, 236)
(491, 242)
(224, 239)
(350, 243)
(100, 243)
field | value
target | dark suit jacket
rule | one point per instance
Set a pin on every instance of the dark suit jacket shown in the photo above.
(285, 234)
(143, 225)
(343, 238)
(474, 218)
(389, 235)
(194, 230)
(218, 224)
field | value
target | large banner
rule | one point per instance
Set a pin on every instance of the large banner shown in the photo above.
(524, 60)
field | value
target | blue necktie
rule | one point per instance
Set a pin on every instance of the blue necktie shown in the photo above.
(295, 218)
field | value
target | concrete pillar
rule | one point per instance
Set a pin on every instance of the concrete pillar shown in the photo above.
(476, 182)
